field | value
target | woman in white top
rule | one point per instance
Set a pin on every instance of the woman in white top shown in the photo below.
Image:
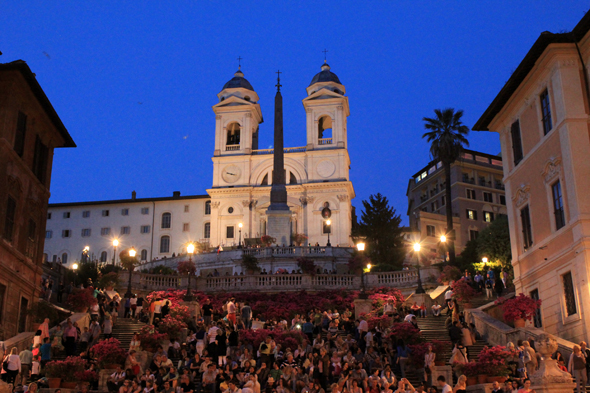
(429, 364)
(135, 343)
(13, 365)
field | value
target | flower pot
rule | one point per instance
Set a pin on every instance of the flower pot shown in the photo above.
(446, 283)
(54, 383)
(481, 379)
(518, 323)
(68, 385)
(494, 379)
(471, 381)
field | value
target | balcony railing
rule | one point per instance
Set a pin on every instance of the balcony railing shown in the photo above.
(325, 141)
(232, 147)
(297, 149)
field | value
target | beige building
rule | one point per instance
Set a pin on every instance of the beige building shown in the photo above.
(477, 196)
(541, 115)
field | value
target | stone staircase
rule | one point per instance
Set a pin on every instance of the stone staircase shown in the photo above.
(124, 330)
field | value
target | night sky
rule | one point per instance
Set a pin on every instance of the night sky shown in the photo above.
(134, 82)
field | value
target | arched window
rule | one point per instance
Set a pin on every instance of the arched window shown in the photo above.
(144, 255)
(208, 207)
(64, 258)
(164, 244)
(207, 231)
(103, 256)
(233, 134)
(292, 178)
(265, 180)
(166, 220)
(325, 130)
(45, 258)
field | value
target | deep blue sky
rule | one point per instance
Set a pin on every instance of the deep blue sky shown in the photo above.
(398, 60)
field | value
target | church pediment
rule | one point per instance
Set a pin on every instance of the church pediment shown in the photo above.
(323, 94)
(233, 101)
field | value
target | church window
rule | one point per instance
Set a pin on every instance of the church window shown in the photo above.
(166, 220)
(325, 130)
(144, 255)
(207, 231)
(229, 232)
(164, 244)
(569, 294)
(103, 256)
(233, 134)
(230, 210)
(265, 180)
(185, 227)
(292, 178)
(64, 258)
(208, 207)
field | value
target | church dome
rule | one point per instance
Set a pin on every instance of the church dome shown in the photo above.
(325, 76)
(238, 81)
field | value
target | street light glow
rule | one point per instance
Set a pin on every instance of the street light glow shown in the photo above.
(484, 260)
(86, 248)
(416, 247)
(132, 252)
(115, 242)
(369, 267)
(191, 247)
(75, 266)
(443, 238)
(360, 246)
(328, 222)
(240, 225)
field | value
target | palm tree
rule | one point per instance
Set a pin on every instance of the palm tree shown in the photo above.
(447, 137)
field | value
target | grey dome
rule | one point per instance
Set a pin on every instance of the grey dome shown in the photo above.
(325, 76)
(238, 81)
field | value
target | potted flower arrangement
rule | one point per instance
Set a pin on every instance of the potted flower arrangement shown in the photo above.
(171, 327)
(463, 292)
(86, 377)
(54, 371)
(81, 299)
(250, 263)
(285, 338)
(150, 338)
(268, 240)
(449, 273)
(62, 372)
(471, 370)
(109, 353)
(440, 348)
(405, 331)
(494, 360)
(306, 265)
(298, 238)
(519, 309)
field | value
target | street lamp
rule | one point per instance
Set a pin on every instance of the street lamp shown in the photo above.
(361, 248)
(85, 252)
(443, 239)
(75, 267)
(190, 249)
(115, 244)
(419, 289)
(132, 254)
(240, 241)
(328, 223)
(484, 260)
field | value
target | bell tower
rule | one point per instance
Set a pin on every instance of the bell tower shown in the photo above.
(237, 117)
(326, 108)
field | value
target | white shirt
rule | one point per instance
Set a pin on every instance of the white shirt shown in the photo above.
(212, 333)
(363, 326)
(448, 295)
(158, 308)
(231, 308)
(447, 388)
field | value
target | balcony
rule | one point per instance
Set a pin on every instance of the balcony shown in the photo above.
(232, 147)
(298, 149)
(325, 141)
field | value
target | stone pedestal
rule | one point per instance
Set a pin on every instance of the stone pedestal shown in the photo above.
(193, 306)
(362, 306)
(278, 226)
(144, 358)
(445, 371)
(555, 388)
(103, 377)
(549, 378)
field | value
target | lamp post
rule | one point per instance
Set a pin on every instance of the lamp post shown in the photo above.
(132, 254)
(240, 239)
(190, 249)
(416, 251)
(85, 251)
(75, 267)
(443, 239)
(361, 248)
(328, 223)
(115, 244)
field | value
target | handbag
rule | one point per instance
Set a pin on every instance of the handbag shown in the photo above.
(5, 364)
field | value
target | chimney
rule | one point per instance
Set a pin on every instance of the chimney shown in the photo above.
(133, 195)
(176, 194)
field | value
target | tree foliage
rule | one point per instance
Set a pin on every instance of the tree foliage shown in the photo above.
(381, 231)
(494, 242)
(128, 262)
(250, 262)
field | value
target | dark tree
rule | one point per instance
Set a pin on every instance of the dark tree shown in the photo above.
(494, 242)
(381, 231)
(447, 137)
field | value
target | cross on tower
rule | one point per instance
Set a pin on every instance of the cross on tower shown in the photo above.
(279, 80)
(325, 51)
(239, 62)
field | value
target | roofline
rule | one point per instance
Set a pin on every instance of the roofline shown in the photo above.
(526, 65)
(463, 151)
(136, 200)
(23, 68)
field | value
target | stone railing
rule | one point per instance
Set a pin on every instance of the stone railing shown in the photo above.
(297, 149)
(325, 141)
(288, 252)
(272, 282)
(232, 147)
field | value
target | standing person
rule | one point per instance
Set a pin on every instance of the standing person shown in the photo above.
(442, 383)
(207, 312)
(107, 327)
(489, 284)
(247, 315)
(448, 298)
(499, 287)
(127, 312)
(461, 386)
(14, 365)
(60, 292)
(139, 307)
(586, 353)
(70, 336)
(94, 333)
(45, 351)
(133, 305)
(231, 311)
(44, 327)
(577, 367)
(403, 352)
(429, 360)
(165, 310)
(26, 361)
(2, 349)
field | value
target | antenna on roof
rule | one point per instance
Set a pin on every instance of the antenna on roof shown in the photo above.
(240, 62)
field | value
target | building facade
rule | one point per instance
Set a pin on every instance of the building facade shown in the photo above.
(29, 131)
(477, 197)
(541, 116)
(317, 177)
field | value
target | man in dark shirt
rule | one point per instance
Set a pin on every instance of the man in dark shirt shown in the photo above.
(496, 388)
(207, 311)
(455, 333)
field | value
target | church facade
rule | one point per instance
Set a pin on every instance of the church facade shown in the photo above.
(317, 176)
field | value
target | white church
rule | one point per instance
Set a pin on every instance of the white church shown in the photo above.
(234, 209)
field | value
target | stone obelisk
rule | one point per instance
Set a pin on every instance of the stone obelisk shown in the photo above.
(278, 213)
